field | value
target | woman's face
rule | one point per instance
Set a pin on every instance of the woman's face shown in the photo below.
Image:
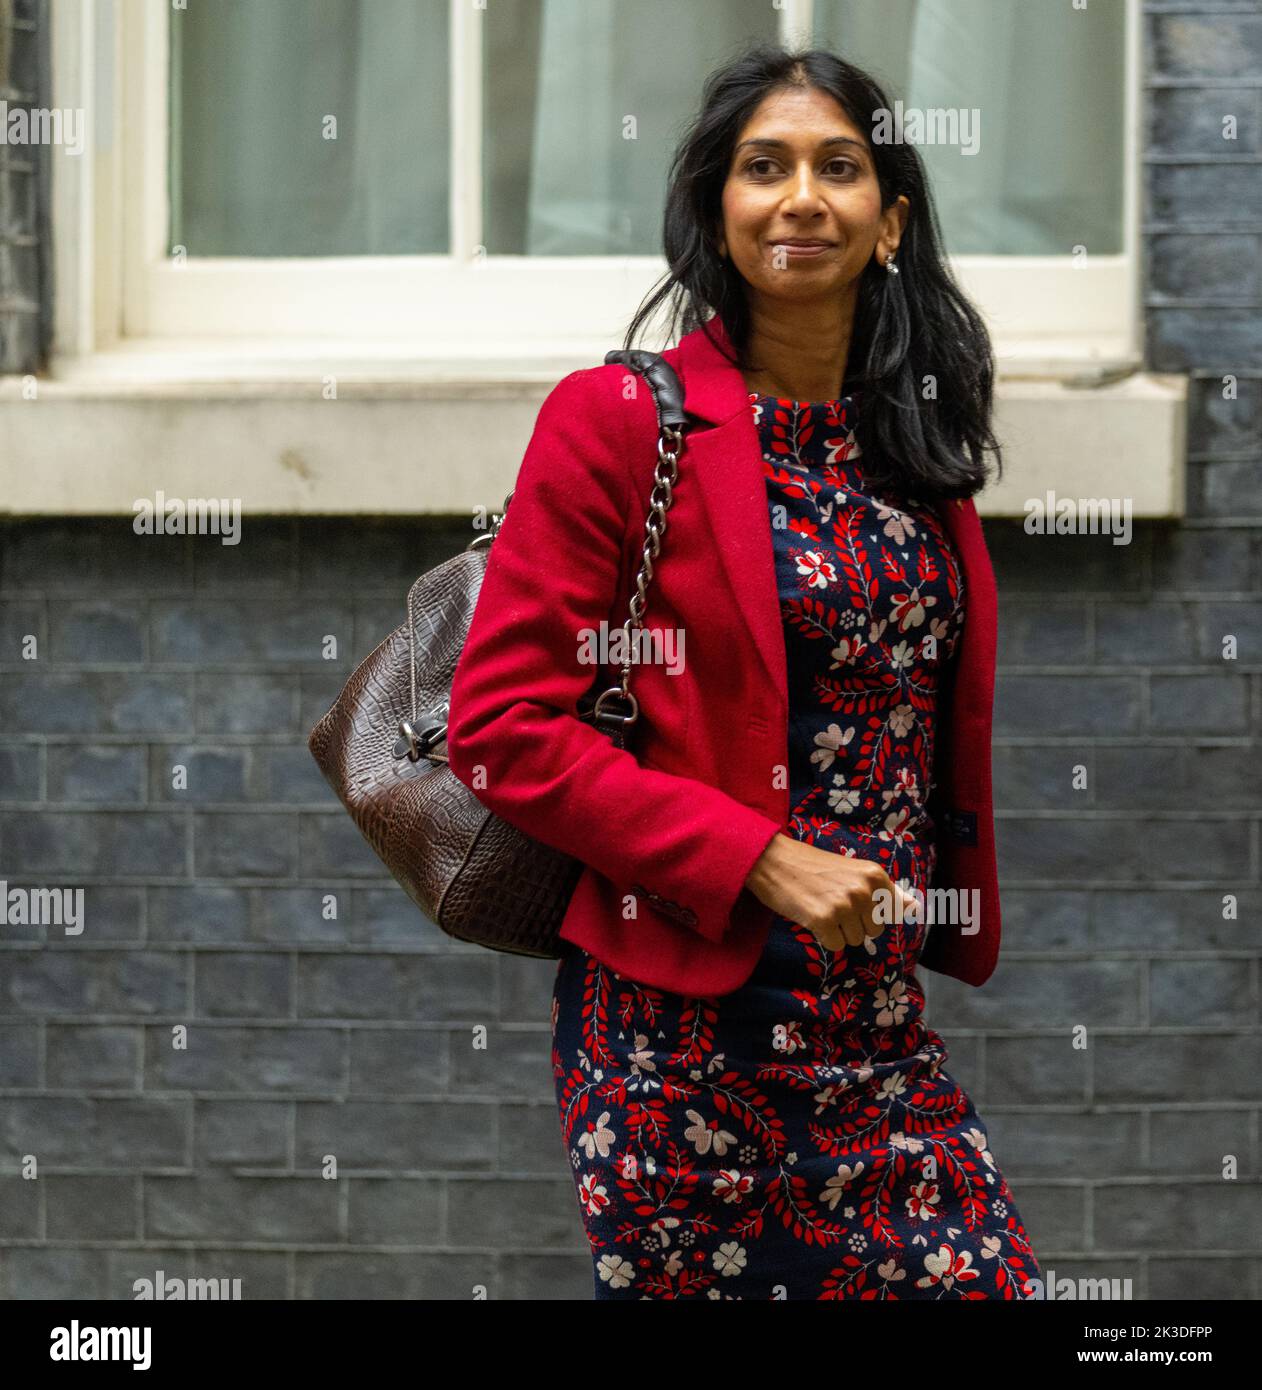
(802, 172)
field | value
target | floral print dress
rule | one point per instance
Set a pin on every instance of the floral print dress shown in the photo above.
(799, 1137)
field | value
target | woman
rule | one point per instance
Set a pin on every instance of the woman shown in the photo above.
(751, 1102)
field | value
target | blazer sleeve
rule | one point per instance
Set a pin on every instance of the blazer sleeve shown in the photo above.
(513, 734)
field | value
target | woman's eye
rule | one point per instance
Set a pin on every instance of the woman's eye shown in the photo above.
(842, 168)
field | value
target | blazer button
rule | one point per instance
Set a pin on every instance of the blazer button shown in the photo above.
(666, 906)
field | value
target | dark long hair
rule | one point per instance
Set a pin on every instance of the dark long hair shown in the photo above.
(913, 333)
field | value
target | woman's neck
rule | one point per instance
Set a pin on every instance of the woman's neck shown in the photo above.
(801, 350)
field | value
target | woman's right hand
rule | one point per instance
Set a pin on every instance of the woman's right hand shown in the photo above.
(835, 896)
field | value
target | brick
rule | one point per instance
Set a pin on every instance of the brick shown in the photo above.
(20, 772)
(97, 702)
(375, 1135)
(112, 772)
(1198, 267)
(98, 1133)
(384, 1275)
(92, 1208)
(200, 912)
(1049, 705)
(1196, 1141)
(1212, 993)
(232, 844)
(210, 774)
(19, 1055)
(237, 702)
(1059, 995)
(1203, 1067)
(97, 631)
(437, 988)
(398, 1211)
(242, 984)
(1211, 704)
(399, 1062)
(227, 1059)
(1227, 339)
(57, 981)
(1210, 196)
(1177, 1216)
(94, 1056)
(219, 1206)
(506, 1212)
(1190, 121)
(251, 1133)
(1217, 45)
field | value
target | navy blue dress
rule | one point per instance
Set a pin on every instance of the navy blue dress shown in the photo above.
(799, 1137)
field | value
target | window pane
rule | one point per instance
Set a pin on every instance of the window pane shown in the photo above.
(1048, 81)
(584, 101)
(253, 85)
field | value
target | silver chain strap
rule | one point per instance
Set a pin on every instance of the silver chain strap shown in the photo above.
(415, 742)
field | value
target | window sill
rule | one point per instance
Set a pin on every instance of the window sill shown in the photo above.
(106, 430)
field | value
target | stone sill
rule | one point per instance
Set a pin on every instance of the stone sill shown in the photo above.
(420, 445)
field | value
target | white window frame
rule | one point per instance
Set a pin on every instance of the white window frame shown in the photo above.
(125, 309)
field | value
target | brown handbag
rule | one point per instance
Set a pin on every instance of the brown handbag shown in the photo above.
(382, 745)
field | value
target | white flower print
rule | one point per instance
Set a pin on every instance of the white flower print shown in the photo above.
(905, 787)
(704, 1139)
(835, 1187)
(598, 1138)
(661, 1227)
(923, 1202)
(903, 654)
(843, 799)
(945, 1267)
(902, 717)
(892, 1086)
(732, 1186)
(891, 1004)
(842, 653)
(615, 1271)
(828, 743)
(909, 608)
(898, 525)
(897, 826)
(729, 1258)
(642, 1066)
(592, 1194)
(819, 572)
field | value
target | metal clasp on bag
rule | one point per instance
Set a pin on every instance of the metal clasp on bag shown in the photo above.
(601, 715)
(415, 743)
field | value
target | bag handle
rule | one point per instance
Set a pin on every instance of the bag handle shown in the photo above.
(668, 399)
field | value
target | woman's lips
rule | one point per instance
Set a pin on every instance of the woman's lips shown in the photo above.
(791, 249)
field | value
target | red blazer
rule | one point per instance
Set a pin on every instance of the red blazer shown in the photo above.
(669, 832)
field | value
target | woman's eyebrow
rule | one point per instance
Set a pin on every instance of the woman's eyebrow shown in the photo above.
(772, 143)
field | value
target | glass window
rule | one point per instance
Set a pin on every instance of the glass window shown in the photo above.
(1047, 81)
(253, 89)
(583, 104)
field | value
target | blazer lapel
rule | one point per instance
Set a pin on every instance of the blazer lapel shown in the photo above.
(726, 463)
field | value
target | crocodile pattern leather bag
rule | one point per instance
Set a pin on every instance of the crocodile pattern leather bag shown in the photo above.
(382, 746)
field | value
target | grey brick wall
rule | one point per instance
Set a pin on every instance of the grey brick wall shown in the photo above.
(354, 1035)
(25, 289)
